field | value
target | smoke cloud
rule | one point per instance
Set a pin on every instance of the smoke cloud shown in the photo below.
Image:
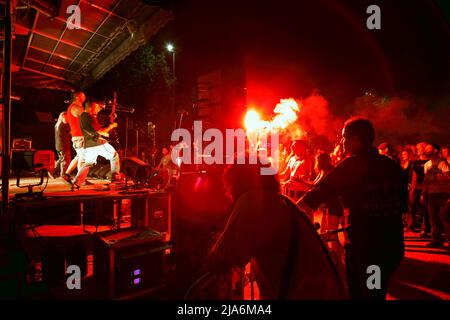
(399, 120)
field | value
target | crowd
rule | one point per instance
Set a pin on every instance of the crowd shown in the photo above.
(426, 170)
(368, 190)
(426, 167)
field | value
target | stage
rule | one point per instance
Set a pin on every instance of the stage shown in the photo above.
(57, 188)
(56, 227)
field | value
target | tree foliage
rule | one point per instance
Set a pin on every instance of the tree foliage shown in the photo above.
(151, 69)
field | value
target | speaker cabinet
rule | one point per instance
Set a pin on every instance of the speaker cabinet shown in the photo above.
(129, 263)
(153, 212)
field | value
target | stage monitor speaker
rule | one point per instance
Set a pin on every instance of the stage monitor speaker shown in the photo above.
(159, 179)
(136, 169)
(130, 262)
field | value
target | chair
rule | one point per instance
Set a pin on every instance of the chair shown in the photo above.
(42, 162)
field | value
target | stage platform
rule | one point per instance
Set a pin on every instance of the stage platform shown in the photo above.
(57, 187)
(99, 196)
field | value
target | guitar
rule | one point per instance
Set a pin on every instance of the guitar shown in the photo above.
(107, 135)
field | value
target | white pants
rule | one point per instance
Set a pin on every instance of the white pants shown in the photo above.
(78, 145)
(107, 151)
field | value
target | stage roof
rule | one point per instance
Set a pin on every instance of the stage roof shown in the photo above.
(48, 54)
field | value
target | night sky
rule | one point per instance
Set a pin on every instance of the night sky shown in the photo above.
(317, 44)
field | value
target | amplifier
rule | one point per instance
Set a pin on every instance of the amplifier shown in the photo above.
(22, 160)
(21, 144)
(130, 262)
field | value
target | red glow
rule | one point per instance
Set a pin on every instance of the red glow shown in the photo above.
(286, 114)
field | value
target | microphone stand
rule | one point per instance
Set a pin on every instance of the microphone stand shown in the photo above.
(179, 127)
(181, 120)
(137, 142)
(126, 111)
(151, 128)
(126, 135)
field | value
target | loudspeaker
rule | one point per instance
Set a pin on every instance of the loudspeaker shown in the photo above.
(77, 255)
(129, 262)
(53, 266)
(153, 212)
(136, 169)
(159, 179)
(221, 97)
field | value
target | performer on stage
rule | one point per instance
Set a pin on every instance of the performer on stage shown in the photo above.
(73, 113)
(95, 145)
(62, 144)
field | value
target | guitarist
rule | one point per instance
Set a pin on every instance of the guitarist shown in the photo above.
(95, 144)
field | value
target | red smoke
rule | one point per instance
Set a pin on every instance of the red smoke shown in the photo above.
(318, 121)
(398, 120)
